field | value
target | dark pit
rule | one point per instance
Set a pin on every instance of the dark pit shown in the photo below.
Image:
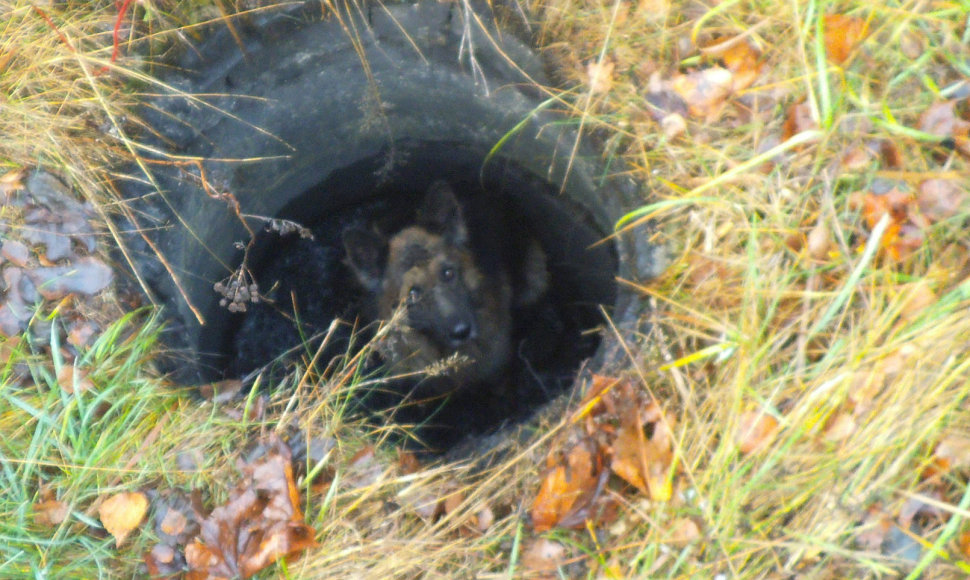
(293, 127)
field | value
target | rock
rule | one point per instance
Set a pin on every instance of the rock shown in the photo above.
(85, 276)
(16, 252)
(10, 323)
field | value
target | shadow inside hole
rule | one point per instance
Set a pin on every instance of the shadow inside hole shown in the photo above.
(309, 284)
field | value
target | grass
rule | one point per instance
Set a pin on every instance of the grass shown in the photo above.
(859, 357)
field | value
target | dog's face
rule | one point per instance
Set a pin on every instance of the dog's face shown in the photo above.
(426, 269)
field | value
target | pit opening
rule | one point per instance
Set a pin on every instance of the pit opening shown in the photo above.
(280, 119)
(550, 338)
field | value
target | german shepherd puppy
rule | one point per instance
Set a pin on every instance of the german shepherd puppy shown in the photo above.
(444, 302)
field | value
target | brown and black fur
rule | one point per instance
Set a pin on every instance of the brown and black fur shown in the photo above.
(448, 304)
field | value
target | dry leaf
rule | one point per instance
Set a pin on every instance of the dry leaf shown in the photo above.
(856, 158)
(842, 35)
(12, 181)
(940, 199)
(174, 522)
(600, 76)
(904, 235)
(408, 462)
(74, 380)
(51, 512)
(917, 297)
(704, 91)
(875, 527)
(484, 518)
(543, 555)
(819, 241)
(954, 448)
(122, 513)
(652, 10)
(644, 463)
(261, 523)
(890, 155)
(756, 430)
(673, 125)
(683, 531)
(221, 391)
(799, 119)
(840, 427)
(162, 561)
(744, 61)
(566, 490)
(452, 501)
(941, 119)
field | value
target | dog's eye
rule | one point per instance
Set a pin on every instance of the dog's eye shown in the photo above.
(447, 273)
(414, 294)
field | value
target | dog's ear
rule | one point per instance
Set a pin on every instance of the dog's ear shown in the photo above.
(366, 256)
(441, 213)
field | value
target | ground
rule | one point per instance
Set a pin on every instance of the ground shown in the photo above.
(798, 410)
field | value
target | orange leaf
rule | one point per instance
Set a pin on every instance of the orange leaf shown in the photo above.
(704, 91)
(542, 555)
(122, 513)
(641, 462)
(51, 512)
(548, 506)
(842, 35)
(799, 119)
(744, 61)
(563, 487)
(756, 430)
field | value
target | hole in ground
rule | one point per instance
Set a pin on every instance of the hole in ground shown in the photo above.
(549, 337)
(294, 126)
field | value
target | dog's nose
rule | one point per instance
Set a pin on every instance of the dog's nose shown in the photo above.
(461, 331)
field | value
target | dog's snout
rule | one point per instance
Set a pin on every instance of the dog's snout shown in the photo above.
(461, 331)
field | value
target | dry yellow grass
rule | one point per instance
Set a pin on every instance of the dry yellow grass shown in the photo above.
(860, 358)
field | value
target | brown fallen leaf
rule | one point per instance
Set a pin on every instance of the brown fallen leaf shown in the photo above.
(261, 523)
(567, 489)
(940, 199)
(819, 241)
(916, 297)
(543, 556)
(74, 380)
(942, 120)
(408, 462)
(484, 518)
(905, 232)
(744, 62)
(799, 119)
(600, 76)
(954, 448)
(705, 91)
(121, 513)
(163, 561)
(842, 35)
(51, 512)
(875, 527)
(174, 522)
(840, 427)
(756, 430)
(641, 462)
(12, 181)
(683, 531)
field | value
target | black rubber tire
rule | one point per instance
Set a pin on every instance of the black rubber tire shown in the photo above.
(298, 108)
